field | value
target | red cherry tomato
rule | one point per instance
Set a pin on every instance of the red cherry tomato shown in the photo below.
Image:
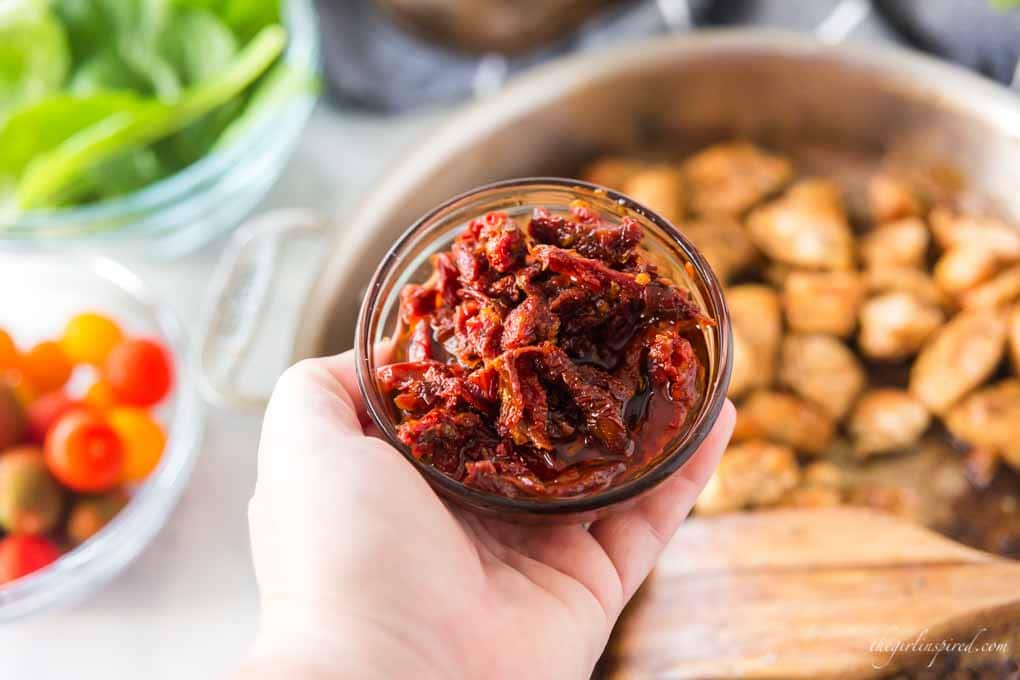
(44, 412)
(139, 372)
(84, 453)
(21, 555)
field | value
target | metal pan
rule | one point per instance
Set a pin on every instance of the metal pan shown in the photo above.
(832, 107)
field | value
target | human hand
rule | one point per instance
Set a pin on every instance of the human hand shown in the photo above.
(364, 572)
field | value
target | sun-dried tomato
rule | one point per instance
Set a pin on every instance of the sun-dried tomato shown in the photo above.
(546, 361)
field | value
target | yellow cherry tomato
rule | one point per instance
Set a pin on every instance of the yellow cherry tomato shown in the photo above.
(46, 366)
(89, 337)
(9, 356)
(143, 439)
(99, 396)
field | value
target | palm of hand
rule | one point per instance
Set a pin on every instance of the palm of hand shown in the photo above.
(353, 548)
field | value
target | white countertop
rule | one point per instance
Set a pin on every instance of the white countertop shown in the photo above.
(187, 608)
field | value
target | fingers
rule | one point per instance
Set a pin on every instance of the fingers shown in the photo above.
(316, 400)
(634, 538)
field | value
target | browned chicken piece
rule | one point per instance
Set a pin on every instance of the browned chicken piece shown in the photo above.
(754, 473)
(895, 325)
(963, 267)
(957, 358)
(612, 171)
(806, 227)
(728, 179)
(906, 280)
(952, 230)
(822, 302)
(999, 291)
(990, 418)
(788, 419)
(823, 370)
(821, 486)
(887, 420)
(894, 500)
(723, 242)
(903, 243)
(744, 374)
(824, 474)
(1013, 323)
(812, 497)
(754, 311)
(661, 188)
(891, 198)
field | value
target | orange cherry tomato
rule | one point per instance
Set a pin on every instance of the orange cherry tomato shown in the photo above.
(22, 388)
(99, 396)
(84, 453)
(139, 372)
(22, 555)
(44, 412)
(89, 337)
(46, 366)
(143, 439)
(9, 355)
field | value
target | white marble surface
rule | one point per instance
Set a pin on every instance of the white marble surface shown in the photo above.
(187, 607)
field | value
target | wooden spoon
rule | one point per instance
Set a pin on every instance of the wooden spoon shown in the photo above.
(809, 594)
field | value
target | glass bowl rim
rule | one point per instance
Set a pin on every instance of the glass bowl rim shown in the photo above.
(696, 432)
(302, 51)
(133, 528)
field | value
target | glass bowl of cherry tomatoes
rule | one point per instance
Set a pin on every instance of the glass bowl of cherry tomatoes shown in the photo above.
(99, 426)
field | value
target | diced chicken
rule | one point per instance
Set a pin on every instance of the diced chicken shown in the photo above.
(822, 302)
(895, 500)
(903, 243)
(905, 280)
(963, 267)
(891, 198)
(661, 188)
(612, 171)
(788, 419)
(754, 311)
(728, 179)
(1014, 337)
(807, 227)
(887, 420)
(754, 473)
(957, 358)
(999, 291)
(812, 497)
(744, 375)
(952, 231)
(822, 473)
(823, 370)
(895, 325)
(723, 242)
(990, 418)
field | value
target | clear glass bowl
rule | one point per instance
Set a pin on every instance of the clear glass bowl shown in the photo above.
(409, 261)
(59, 289)
(201, 202)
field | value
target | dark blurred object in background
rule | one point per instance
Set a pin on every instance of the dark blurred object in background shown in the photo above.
(398, 55)
(507, 26)
(969, 32)
(373, 62)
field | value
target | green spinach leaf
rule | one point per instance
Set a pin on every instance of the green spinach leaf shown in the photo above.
(47, 175)
(34, 56)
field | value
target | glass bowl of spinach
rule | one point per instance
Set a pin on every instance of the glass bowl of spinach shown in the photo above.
(153, 122)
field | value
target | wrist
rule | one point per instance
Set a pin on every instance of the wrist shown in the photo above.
(295, 642)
